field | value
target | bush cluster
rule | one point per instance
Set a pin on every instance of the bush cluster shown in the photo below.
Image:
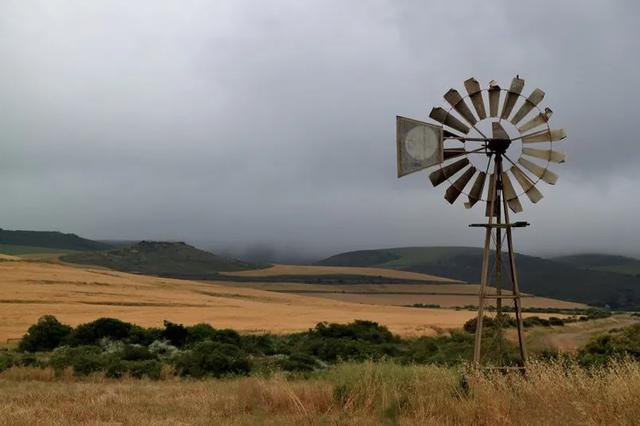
(117, 348)
(506, 321)
(613, 346)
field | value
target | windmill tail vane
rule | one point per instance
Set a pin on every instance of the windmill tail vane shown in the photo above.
(483, 152)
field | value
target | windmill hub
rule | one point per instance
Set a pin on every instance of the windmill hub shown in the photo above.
(498, 145)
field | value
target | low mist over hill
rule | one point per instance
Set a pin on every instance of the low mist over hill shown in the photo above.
(167, 259)
(542, 277)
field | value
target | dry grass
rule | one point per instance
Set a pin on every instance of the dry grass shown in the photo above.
(29, 290)
(350, 394)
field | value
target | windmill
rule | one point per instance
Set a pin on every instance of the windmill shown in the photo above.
(480, 155)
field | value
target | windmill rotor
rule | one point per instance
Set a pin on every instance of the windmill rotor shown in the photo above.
(462, 137)
(492, 145)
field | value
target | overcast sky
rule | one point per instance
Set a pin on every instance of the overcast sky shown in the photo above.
(270, 125)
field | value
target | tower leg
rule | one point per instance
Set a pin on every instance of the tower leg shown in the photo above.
(483, 289)
(517, 301)
(484, 279)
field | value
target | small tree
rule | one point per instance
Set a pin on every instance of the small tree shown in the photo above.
(47, 334)
(176, 334)
(91, 332)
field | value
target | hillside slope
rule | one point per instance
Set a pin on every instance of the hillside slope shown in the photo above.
(603, 262)
(166, 259)
(49, 240)
(538, 276)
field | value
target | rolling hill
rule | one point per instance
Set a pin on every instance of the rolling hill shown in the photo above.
(603, 262)
(542, 277)
(165, 259)
(19, 242)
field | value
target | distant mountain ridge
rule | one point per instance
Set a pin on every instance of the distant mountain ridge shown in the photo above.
(166, 259)
(542, 277)
(49, 239)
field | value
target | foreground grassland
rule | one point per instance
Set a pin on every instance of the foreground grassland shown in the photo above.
(347, 394)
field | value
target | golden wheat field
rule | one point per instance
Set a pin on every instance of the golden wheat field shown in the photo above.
(347, 394)
(30, 289)
(77, 294)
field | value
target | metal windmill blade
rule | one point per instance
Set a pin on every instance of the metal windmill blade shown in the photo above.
(475, 93)
(545, 154)
(442, 116)
(476, 190)
(512, 96)
(527, 185)
(494, 98)
(453, 153)
(458, 186)
(455, 100)
(498, 131)
(542, 173)
(536, 121)
(553, 135)
(530, 103)
(442, 174)
(510, 194)
(491, 198)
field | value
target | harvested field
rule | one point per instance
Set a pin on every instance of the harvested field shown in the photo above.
(29, 290)
(443, 299)
(445, 295)
(276, 270)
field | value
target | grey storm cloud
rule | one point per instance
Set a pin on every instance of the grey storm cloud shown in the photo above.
(259, 126)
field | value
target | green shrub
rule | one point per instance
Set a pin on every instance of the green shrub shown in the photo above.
(115, 368)
(488, 323)
(163, 349)
(612, 346)
(300, 362)
(150, 368)
(201, 332)
(368, 331)
(556, 321)
(84, 359)
(536, 321)
(598, 314)
(444, 350)
(136, 353)
(47, 334)
(144, 336)
(7, 361)
(263, 344)
(91, 332)
(212, 359)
